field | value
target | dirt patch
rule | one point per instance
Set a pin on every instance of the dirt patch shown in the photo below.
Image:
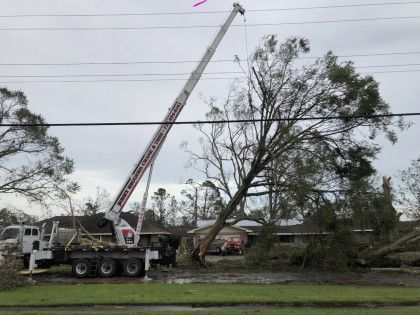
(218, 258)
(372, 278)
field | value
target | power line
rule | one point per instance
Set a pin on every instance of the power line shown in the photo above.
(212, 12)
(196, 122)
(173, 79)
(114, 80)
(112, 75)
(195, 61)
(385, 66)
(393, 71)
(171, 74)
(203, 26)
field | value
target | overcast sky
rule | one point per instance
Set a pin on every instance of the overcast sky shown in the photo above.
(104, 155)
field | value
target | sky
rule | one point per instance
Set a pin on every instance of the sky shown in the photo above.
(104, 156)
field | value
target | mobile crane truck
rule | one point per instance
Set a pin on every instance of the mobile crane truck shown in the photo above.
(88, 260)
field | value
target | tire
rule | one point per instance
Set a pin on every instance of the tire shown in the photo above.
(80, 268)
(107, 268)
(218, 250)
(133, 267)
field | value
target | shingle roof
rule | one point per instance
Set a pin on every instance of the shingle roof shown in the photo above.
(90, 223)
(306, 227)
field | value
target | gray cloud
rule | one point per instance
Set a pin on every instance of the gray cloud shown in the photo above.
(109, 153)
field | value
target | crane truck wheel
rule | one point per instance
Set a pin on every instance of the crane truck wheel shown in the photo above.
(80, 268)
(107, 268)
(132, 267)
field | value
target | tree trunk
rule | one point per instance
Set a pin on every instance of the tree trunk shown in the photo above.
(195, 207)
(396, 244)
(200, 251)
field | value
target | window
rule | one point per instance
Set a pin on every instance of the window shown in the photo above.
(27, 231)
(9, 234)
(34, 232)
(286, 238)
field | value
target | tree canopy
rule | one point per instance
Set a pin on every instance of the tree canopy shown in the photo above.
(32, 162)
(312, 134)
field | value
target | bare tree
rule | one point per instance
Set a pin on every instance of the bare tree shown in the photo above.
(165, 206)
(410, 189)
(201, 201)
(95, 204)
(32, 163)
(293, 108)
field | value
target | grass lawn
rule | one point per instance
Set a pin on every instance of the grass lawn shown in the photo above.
(285, 311)
(206, 294)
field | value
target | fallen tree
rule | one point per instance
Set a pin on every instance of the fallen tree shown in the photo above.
(291, 110)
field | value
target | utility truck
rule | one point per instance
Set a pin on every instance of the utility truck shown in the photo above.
(65, 246)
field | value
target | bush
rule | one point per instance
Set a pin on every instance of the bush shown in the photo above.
(335, 251)
(268, 254)
(10, 263)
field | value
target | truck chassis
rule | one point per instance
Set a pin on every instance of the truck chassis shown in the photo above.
(90, 261)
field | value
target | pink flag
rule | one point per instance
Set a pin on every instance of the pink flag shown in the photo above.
(199, 3)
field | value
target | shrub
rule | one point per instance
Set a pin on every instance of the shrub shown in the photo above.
(10, 263)
(267, 253)
(335, 251)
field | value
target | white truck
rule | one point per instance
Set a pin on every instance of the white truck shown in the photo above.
(63, 246)
(104, 260)
(24, 235)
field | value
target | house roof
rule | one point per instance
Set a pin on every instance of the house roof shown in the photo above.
(247, 223)
(306, 227)
(90, 223)
(240, 228)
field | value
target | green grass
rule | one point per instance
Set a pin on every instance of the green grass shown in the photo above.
(268, 312)
(206, 294)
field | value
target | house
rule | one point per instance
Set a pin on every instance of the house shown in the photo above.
(288, 232)
(150, 233)
(230, 232)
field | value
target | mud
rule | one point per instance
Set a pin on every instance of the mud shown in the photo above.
(372, 278)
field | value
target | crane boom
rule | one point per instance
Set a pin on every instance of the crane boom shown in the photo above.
(159, 137)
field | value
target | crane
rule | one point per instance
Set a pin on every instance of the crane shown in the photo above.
(124, 233)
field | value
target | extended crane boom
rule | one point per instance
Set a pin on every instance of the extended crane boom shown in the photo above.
(152, 149)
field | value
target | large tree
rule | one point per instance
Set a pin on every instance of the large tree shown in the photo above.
(299, 108)
(32, 163)
(14, 216)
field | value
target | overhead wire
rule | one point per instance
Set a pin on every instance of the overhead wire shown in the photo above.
(115, 80)
(166, 80)
(170, 73)
(173, 27)
(194, 61)
(209, 12)
(200, 122)
(113, 75)
(177, 79)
